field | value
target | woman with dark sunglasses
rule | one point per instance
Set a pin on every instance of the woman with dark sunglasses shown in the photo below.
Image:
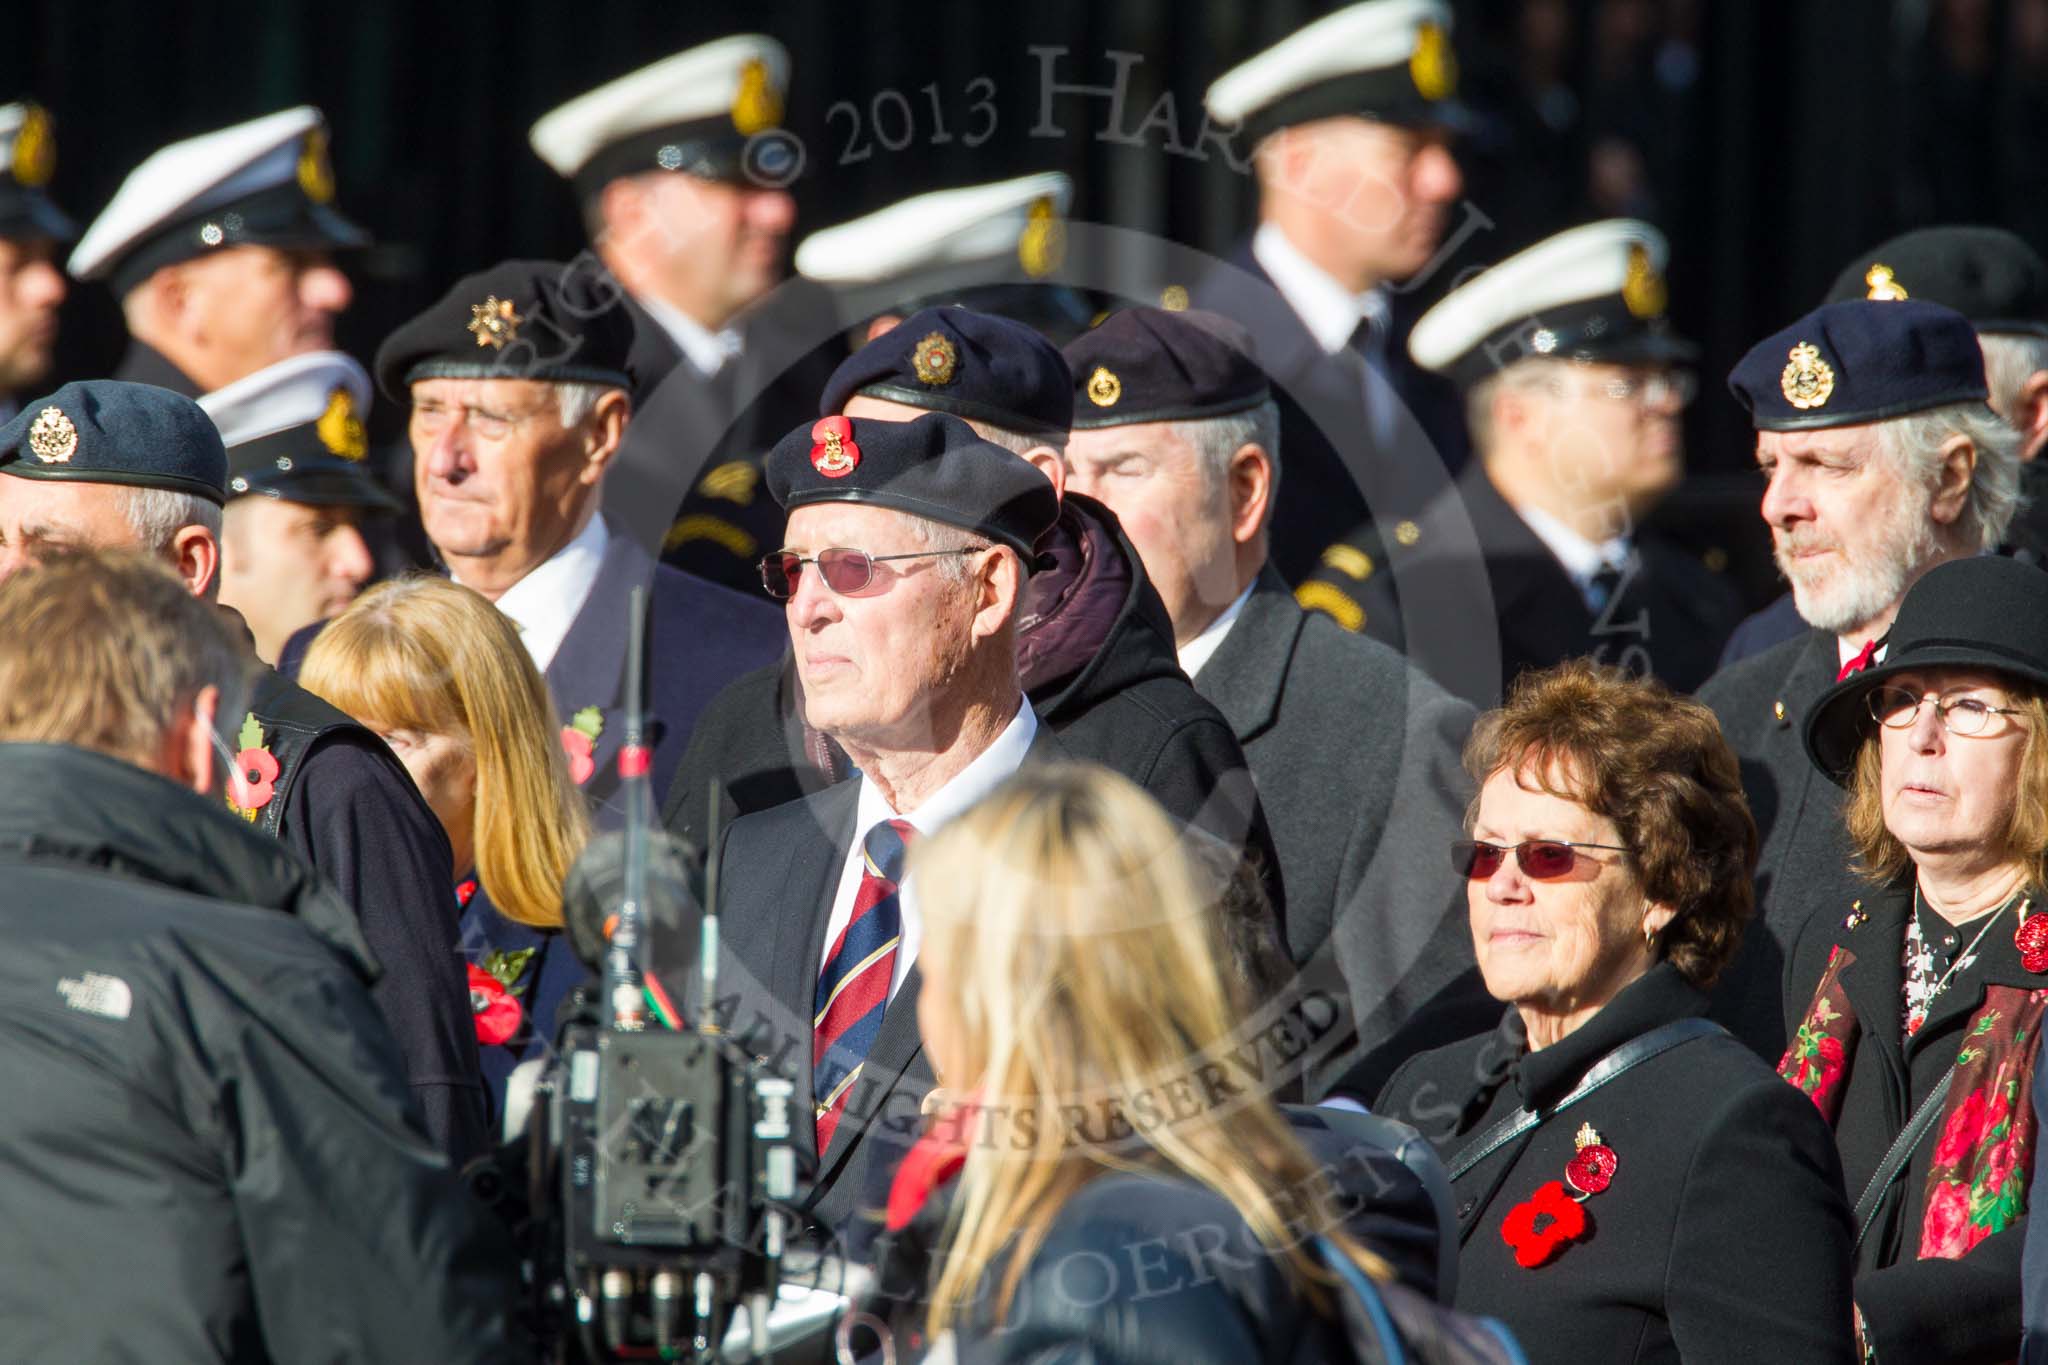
(1631, 1183)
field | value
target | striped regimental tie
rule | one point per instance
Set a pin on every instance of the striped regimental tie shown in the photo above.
(853, 987)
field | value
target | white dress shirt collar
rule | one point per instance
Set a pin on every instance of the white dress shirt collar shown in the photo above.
(980, 777)
(1580, 557)
(1329, 310)
(706, 350)
(544, 604)
(1202, 648)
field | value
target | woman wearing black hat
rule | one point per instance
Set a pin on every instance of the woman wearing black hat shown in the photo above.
(1920, 1004)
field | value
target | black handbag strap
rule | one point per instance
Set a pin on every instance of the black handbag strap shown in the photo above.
(1899, 1154)
(1632, 1053)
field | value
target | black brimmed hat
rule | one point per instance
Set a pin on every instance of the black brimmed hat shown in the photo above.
(295, 431)
(1985, 612)
(1989, 275)
(518, 320)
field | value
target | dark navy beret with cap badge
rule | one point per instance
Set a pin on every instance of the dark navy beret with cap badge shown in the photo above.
(935, 467)
(973, 365)
(517, 320)
(28, 158)
(295, 430)
(111, 431)
(1151, 365)
(267, 182)
(1989, 275)
(1844, 364)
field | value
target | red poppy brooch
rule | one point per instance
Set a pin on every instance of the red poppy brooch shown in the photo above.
(1539, 1227)
(579, 738)
(253, 779)
(2031, 938)
(492, 1003)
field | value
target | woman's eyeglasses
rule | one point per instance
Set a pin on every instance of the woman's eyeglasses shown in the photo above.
(1895, 708)
(844, 571)
(1543, 859)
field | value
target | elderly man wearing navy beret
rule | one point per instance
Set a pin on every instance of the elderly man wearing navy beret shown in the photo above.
(1881, 459)
(902, 573)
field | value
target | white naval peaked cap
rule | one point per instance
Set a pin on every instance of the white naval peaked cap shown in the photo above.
(266, 182)
(932, 231)
(1389, 59)
(692, 112)
(28, 156)
(1594, 292)
(291, 393)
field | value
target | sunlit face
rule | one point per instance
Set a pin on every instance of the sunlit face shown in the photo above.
(498, 476)
(1848, 533)
(720, 246)
(39, 517)
(1949, 794)
(443, 767)
(873, 665)
(247, 307)
(285, 565)
(1178, 517)
(1556, 947)
(1389, 189)
(1610, 432)
(31, 288)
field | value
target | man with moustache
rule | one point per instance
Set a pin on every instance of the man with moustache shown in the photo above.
(32, 285)
(1574, 383)
(1345, 122)
(220, 248)
(1882, 459)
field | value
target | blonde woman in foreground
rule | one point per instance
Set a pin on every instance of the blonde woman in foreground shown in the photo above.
(439, 673)
(1062, 1205)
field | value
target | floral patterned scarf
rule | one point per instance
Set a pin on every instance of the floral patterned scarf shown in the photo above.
(1977, 1183)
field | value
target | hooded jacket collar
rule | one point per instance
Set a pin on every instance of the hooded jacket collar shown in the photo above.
(1109, 640)
(72, 807)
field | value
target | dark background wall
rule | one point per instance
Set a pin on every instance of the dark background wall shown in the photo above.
(1770, 140)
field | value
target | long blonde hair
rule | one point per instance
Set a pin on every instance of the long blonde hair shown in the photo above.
(426, 654)
(1084, 962)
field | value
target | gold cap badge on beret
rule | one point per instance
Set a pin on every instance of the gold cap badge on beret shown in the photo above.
(1878, 279)
(1642, 288)
(1043, 243)
(1807, 380)
(1104, 388)
(1174, 298)
(495, 322)
(935, 360)
(316, 173)
(1407, 533)
(339, 429)
(51, 437)
(35, 149)
(755, 105)
(1433, 66)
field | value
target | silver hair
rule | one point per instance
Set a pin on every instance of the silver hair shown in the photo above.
(577, 401)
(937, 535)
(1913, 445)
(156, 515)
(1215, 439)
(1018, 442)
(2010, 360)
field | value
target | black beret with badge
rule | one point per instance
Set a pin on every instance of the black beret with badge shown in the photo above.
(294, 431)
(1387, 60)
(1989, 275)
(1845, 364)
(711, 112)
(28, 158)
(1152, 365)
(541, 320)
(936, 467)
(267, 182)
(974, 365)
(1594, 293)
(111, 431)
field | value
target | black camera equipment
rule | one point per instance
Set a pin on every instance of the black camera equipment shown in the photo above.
(660, 1154)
